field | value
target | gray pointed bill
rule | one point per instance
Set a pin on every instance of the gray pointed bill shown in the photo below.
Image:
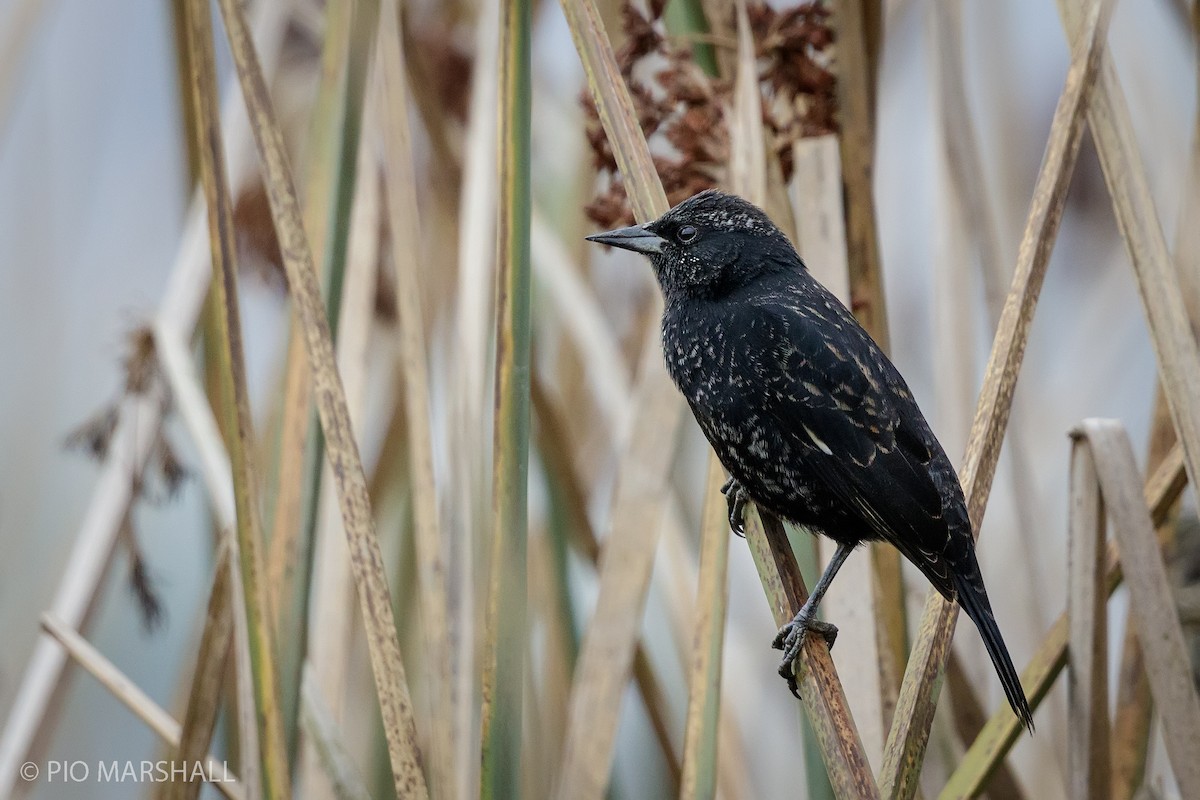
(635, 238)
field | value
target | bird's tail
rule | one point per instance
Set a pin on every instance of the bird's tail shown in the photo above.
(973, 599)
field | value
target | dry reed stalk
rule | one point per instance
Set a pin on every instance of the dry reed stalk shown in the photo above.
(616, 110)
(321, 731)
(733, 775)
(1161, 491)
(1132, 716)
(468, 432)
(366, 559)
(192, 405)
(551, 610)
(701, 735)
(133, 698)
(552, 440)
(283, 555)
(1151, 605)
(1087, 646)
(319, 618)
(391, 99)
(856, 91)
(235, 399)
(1187, 236)
(817, 204)
(242, 708)
(504, 673)
(200, 717)
(747, 148)
(190, 402)
(34, 711)
(909, 734)
(969, 720)
(584, 323)
(841, 749)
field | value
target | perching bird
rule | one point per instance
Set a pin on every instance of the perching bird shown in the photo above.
(808, 416)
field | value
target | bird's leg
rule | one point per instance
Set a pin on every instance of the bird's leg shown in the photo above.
(736, 499)
(791, 636)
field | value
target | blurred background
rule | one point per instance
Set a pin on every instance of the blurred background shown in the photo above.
(95, 186)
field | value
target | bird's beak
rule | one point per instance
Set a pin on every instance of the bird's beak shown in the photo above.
(635, 238)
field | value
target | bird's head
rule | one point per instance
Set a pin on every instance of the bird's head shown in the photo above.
(708, 245)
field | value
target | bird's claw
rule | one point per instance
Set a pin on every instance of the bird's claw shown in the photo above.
(735, 499)
(791, 638)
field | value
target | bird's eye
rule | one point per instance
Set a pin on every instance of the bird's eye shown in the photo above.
(686, 234)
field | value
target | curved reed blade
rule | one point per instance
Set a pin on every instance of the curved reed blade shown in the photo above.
(1160, 493)
(1152, 607)
(1087, 613)
(231, 360)
(366, 560)
(909, 734)
(1132, 717)
(1175, 346)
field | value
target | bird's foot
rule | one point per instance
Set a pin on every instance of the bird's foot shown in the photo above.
(791, 638)
(736, 499)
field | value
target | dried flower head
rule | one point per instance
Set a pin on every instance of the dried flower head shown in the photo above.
(141, 362)
(683, 112)
(171, 469)
(141, 585)
(94, 436)
(257, 245)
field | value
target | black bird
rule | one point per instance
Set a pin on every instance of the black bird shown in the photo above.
(808, 416)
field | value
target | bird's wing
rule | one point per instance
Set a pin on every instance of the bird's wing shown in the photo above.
(847, 410)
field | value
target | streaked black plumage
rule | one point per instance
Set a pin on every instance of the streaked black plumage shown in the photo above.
(808, 416)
